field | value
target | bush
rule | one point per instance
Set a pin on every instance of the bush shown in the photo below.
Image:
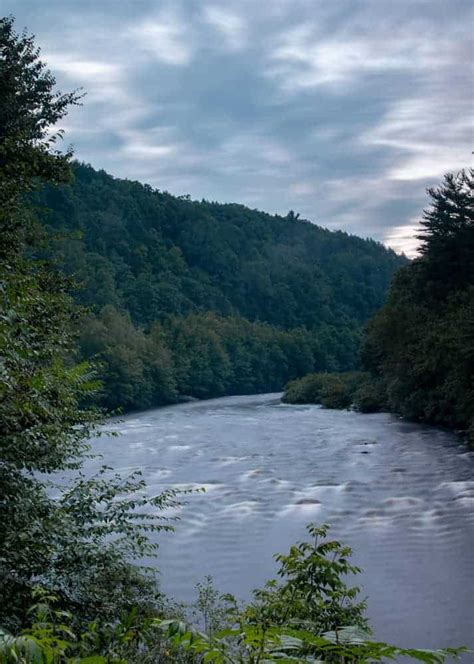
(370, 397)
(336, 393)
(305, 390)
(310, 615)
(338, 390)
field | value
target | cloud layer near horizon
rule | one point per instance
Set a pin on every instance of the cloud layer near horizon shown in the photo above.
(344, 112)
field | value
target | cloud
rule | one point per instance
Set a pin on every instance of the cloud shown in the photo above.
(164, 37)
(306, 57)
(305, 62)
(403, 239)
(141, 150)
(302, 188)
(82, 70)
(430, 134)
(344, 112)
(231, 26)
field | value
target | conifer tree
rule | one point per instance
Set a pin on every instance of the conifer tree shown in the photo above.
(447, 236)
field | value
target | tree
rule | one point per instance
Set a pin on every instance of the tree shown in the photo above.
(29, 107)
(136, 368)
(78, 543)
(38, 393)
(419, 346)
(447, 235)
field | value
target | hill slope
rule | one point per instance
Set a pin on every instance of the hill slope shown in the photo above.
(155, 257)
(419, 347)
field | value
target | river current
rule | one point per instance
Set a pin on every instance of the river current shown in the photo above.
(401, 494)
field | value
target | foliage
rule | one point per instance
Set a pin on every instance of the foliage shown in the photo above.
(64, 541)
(331, 390)
(310, 616)
(250, 644)
(154, 254)
(447, 242)
(305, 618)
(29, 108)
(211, 609)
(52, 639)
(370, 396)
(420, 345)
(199, 355)
(312, 591)
(243, 301)
(77, 542)
(214, 356)
(137, 369)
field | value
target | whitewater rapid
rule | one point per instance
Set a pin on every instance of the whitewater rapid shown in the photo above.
(401, 494)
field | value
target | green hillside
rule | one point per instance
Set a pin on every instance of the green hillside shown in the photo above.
(419, 347)
(286, 296)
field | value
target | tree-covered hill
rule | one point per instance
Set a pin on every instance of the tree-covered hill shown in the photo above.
(149, 257)
(155, 254)
(419, 347)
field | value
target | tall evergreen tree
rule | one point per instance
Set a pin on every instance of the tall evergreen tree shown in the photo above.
(447, 236)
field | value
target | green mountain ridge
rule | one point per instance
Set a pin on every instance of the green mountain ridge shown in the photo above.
(159, 259)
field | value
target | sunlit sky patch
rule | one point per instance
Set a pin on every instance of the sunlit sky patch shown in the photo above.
(342, 111)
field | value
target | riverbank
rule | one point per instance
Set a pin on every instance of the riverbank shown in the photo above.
(358, 391)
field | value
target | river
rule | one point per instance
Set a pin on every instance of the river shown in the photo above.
(401, 494)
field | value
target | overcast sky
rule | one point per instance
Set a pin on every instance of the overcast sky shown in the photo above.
(342, 110)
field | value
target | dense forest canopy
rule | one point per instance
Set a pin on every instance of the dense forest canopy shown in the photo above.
(421, 343)
(419, 347)
(206, 299)
(155, 254)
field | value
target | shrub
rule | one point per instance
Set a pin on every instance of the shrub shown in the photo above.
(370, 397)
(311, 615)
(336, 393)
(337, 390)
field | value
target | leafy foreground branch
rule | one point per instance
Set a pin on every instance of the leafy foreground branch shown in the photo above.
(255, 644)
(303, 618)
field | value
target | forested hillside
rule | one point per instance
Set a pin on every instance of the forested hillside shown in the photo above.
(419, 347)
(206, 299)
(421, 343)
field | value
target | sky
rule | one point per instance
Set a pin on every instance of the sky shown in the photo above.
(344, 111)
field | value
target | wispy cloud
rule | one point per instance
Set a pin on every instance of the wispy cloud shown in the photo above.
(428, 133)
(165, 37)
(403, 238)
(228, 24)
(341, 111)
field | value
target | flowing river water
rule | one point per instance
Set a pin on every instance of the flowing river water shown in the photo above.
(401, 494)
